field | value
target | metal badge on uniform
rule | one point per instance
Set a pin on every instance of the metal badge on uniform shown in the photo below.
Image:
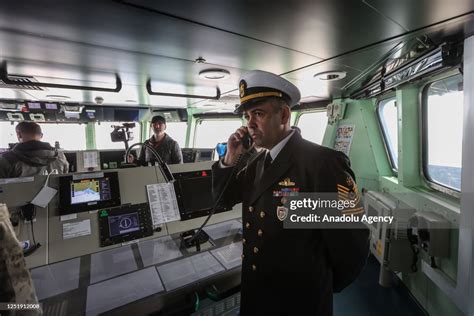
(282, 213)
(286, 183)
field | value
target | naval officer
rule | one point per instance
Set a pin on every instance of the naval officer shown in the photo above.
(286, 271)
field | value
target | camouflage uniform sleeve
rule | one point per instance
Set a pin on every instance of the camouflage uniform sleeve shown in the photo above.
(17, 285)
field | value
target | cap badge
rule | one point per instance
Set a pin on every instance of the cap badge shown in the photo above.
(242, 87)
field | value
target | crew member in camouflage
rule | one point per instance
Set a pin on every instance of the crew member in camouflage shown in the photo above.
(16, 285)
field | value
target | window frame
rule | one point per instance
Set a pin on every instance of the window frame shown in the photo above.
(65, 123)
(389, 154)
(319, 110)
(199, 120)
(424, 138)
(150, 132)
(12, 126)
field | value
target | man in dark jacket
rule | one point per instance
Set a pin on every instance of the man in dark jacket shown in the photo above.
(31, 156)
(286, 271)
(167, 147)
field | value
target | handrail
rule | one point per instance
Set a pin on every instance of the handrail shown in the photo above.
(177, 95)
(4, 77)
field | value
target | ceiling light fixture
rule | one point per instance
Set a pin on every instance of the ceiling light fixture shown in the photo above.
(331, 75)
(214, 74)
(57, 97)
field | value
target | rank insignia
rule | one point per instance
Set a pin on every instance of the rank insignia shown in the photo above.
(286, 183)
(286, 192)
(282, 213)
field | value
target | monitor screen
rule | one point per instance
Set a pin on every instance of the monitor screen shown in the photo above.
(188, 155)
(204, 154)
(51, 106)
(198, 193)
(34, 105)
(194, 193)
(123, 224)
(88, 192)
(126, 115)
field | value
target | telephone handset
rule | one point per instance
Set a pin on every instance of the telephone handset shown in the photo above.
(247, 141)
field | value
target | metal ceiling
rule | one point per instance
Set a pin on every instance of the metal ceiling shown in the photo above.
(86, 43)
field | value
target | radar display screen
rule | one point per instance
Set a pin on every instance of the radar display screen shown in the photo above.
(90, 190)
(123, 224)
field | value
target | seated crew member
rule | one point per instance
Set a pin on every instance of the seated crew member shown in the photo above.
(167, 147)
(286, 271)
(31, 156)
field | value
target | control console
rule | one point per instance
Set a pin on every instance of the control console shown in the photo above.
(125, 223)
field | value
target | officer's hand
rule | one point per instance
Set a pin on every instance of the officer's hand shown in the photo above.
(235, 147)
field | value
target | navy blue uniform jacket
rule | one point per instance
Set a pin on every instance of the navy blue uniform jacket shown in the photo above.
(292, 271)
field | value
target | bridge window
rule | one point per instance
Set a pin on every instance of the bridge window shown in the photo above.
(69, 135)
(177, 131)
(211, 132)
(102, 135)
(387, 112)
(7, 134)
(313, 126)
(443, 127)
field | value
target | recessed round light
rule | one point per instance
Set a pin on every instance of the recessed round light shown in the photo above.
(331, 75)
(57, 97)
(214, 74)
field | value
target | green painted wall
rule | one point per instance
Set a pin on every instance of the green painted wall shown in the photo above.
(371, 164)
(408, 137)
(90, 136)
(367, 153)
